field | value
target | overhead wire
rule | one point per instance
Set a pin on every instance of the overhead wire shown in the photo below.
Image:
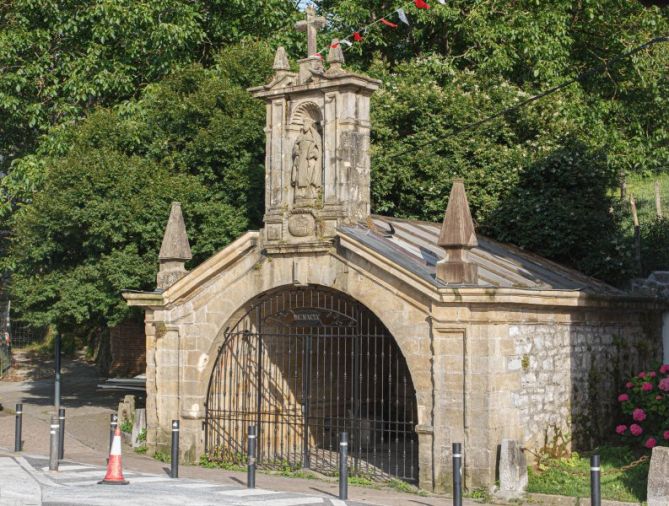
(554, 89)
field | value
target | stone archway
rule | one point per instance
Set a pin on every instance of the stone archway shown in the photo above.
(305, 364)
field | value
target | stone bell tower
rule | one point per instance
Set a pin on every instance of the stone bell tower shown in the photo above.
(317, 152)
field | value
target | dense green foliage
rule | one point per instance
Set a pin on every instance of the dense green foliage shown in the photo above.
(95, 226)
(61, 59)
(137, 104)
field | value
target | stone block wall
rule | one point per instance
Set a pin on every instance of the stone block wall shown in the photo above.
(570, 373)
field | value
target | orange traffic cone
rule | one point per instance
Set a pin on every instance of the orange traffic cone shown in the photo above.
(114, 469)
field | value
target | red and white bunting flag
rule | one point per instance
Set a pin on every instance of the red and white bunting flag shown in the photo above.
(388, 23)
(402, 16)
(421, 4)
(335, 45)
(357, 37)
(346, 42)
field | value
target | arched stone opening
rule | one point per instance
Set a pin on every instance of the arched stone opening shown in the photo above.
(305, 364)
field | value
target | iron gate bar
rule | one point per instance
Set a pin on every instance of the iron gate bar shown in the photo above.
(313, 363)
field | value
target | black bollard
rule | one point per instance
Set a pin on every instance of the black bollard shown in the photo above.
(457, 474)
(343, 466)
(18, 428)
(174, 471)
(113, 423)
(251, 470)
(61, 433)
(53, 446)
(595, 481)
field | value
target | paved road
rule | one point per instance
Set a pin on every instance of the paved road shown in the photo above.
(26, 480)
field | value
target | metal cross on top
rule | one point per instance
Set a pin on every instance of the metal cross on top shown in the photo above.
(311, 26)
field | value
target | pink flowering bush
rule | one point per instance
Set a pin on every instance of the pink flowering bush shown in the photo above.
(645, 404)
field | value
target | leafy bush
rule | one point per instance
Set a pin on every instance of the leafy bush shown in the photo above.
(646, 401)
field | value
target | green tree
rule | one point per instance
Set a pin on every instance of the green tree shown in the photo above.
(61, 59)
(95, 226)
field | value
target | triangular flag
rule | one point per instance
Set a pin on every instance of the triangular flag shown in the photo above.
(388, 23)
(402, 16)
(335, 45)
(347, 42)
(442, 2)
(318, 55)
(421, 4)
(357, 37)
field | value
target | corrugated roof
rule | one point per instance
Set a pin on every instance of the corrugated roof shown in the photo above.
(413, 246)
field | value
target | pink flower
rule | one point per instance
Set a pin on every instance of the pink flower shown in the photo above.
(647, 387)
(623, 397)
(636, 430)
(650, 442)
(664, 384)
(642, 374)
(664, 368)
(639, 415)
(629, 384)
(652, 374)
(620, 429)
(666, 434)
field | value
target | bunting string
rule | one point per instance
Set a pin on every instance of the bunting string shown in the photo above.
(400, 12)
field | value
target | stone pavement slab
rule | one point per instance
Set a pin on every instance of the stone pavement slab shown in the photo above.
(27, 480)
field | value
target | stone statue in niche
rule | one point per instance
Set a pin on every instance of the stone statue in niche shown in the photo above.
(307, 155)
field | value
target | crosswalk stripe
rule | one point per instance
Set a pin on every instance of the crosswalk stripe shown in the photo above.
(244, 492)
(293, 501)
(201, 485)
(337, 502)
(69, 467)
(147, 479)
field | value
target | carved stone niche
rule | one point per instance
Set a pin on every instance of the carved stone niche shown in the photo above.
(307, 155)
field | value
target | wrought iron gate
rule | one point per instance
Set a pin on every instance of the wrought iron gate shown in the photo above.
(304, 364)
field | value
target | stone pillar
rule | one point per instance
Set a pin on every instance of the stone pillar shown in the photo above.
(449, 400)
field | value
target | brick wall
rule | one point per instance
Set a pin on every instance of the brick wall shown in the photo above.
(128, 349)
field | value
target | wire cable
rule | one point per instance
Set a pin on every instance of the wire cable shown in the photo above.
(583, 75)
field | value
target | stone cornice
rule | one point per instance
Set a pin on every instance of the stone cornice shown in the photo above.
(143, 299)
(339, 82)
(198, 276)
(211, 267)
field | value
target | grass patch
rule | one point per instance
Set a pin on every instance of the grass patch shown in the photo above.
(478, 494)
(141, 449)
(571, 476)
(209, 463)
(162, 457)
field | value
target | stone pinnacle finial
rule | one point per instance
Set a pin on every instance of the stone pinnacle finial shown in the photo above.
(457, 238)
(281, 60)
(175, 249)
(335, 55)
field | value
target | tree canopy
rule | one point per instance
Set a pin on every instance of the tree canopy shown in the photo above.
(111, 111)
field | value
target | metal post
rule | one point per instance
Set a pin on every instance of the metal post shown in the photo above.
(113, 423)
(343, 466)
(61, 433)
(457, 474)
(174, 472)
(56, 393)
(53, 447)
(19, 428)
(595, 483)
(251, 469)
